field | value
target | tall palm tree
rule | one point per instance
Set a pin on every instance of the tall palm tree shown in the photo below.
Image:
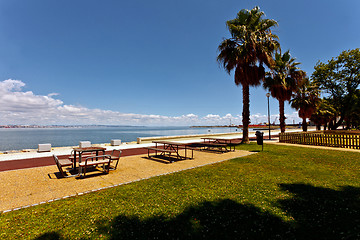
(283, 79)
(250, 47)
(305, 100)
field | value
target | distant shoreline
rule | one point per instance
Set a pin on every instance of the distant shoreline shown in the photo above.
(60, 126)
(236, 126)
(214, 126)
(253, 126)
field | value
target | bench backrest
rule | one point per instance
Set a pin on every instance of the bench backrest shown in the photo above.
(116, 153)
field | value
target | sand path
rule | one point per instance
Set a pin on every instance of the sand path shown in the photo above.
(26, 187)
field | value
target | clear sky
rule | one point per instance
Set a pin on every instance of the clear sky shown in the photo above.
(146, 62)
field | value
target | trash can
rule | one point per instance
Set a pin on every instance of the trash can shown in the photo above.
(259, 137)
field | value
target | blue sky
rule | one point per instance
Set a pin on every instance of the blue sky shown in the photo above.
(148, 62)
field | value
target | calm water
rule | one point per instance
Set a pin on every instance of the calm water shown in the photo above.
(29, 138)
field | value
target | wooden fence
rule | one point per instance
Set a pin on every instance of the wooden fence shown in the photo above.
(342, 139)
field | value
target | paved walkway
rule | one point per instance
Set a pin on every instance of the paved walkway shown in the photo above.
(26, 187)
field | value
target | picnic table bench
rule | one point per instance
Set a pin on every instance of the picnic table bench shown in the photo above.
(222, 147)
(170, 148)
(160, 150)
(230, 142)
(79, 153)
(95, 161)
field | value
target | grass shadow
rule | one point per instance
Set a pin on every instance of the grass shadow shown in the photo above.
(223, 219)
(323, 213)
(50, 236)
(255, 151)
(317, 213)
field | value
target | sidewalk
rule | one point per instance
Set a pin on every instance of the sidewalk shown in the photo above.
(27, 187)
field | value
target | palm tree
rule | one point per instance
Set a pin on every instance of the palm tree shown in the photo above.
(306, 100)
(283, 79)
(250, 47)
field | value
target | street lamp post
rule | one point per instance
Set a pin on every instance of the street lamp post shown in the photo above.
(268, 97)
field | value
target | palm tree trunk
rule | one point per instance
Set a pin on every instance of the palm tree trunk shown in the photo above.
(282, 116)
(246, 113)
(304, 124)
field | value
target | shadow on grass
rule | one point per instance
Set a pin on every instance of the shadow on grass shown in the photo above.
(223, 219)
(323, 213)
(318, 213)
(256, 151)
(50, 236)
(252, 147)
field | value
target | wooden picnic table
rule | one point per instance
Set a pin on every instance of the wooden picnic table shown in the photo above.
(80, 151)
(169, 147)
(214, 142)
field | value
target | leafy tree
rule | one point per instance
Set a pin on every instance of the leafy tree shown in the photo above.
(339, 78)
(247, 51)
(324, 113)
(283, 79)
(305, 100)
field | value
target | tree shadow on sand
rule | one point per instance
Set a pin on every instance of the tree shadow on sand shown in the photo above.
(318, 213)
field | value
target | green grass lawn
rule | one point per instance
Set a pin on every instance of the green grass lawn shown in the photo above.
(280, 193)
